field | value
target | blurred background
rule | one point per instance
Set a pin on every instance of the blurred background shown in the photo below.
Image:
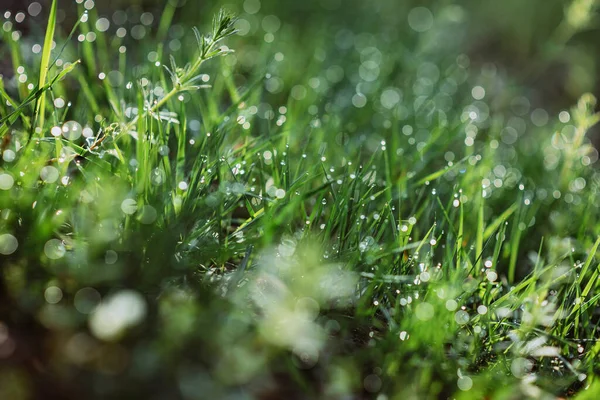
(535, 58)
(549, 47)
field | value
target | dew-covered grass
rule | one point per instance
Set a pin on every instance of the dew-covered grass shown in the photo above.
(264, 208)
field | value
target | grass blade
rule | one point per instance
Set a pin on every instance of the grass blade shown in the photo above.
(45, 65)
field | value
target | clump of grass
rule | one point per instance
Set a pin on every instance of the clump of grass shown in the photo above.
(340, 230)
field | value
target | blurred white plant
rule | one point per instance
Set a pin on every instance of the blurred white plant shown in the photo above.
(541, 312)
(290, 288)
(117, 313)
(580, 13)
(584, 117)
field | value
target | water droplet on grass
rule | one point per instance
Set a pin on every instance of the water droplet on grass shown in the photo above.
(129, 206)
(56, 131)
(49, 174)
(461, 317)
(72, 130)
(163, 150)
(102, 24)
(464, 383)
(420, 19)
(111, 257)
(6, 181)
(157, 177)
(54, 249)
(9, 155)
(372, 383)
(520, 367)
(492, 276)
(53, 295)
(287, 247)
(366, 244)
(8, 244)
(34, 9)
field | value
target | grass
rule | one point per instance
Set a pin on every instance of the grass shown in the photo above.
(356, 219)
(45, 63)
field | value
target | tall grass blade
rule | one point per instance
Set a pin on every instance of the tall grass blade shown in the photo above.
(45, 65)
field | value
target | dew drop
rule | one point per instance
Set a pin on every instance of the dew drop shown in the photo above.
(72, 130)
(53, 295)
(49, 174)
(464, 383)
(129, 206)
(461, 317)
(6, 181)
(111, 257)
(163, 150)
(54, 249)
(8, 244)
(9, 155)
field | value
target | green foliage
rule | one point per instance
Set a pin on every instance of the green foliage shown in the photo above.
(45, 63)
(372, 216)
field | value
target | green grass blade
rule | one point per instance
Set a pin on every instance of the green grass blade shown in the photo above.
(45, 64)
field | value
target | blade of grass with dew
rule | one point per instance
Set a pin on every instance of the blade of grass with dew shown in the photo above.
(435, 175)
(35, 95)
(480, 231)
(491, 228)
(14, 105)
(40, 108)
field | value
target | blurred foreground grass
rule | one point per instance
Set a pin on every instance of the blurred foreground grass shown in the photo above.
(336, 209)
